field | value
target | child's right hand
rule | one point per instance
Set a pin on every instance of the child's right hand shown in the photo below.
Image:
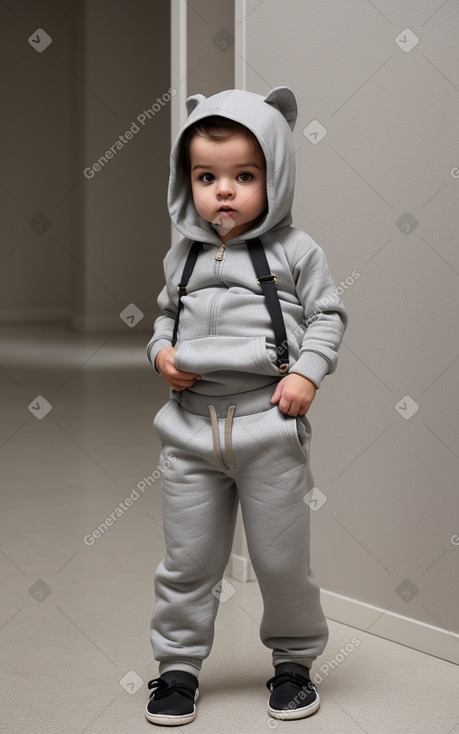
(177, 379)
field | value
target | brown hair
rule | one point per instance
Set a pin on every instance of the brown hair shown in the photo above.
(215, 128)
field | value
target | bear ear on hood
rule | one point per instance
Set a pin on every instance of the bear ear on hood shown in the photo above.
(193, 102)
(283, 99)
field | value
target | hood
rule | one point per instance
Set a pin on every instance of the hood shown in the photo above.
(271, 119)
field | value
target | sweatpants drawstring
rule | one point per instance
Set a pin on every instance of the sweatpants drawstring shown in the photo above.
(228, 438)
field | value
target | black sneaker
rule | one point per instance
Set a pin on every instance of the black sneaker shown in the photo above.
(293, 695)
(173, 700)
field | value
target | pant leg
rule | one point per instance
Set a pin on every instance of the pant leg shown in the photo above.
(199, 506)
(273, 476)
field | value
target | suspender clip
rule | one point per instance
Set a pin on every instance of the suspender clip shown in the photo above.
(270, 278)
(181, 288)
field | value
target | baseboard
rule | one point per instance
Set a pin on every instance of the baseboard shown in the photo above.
(76, 321)
(391, 626)
(95, 323)
(34, 315)
(376, 621)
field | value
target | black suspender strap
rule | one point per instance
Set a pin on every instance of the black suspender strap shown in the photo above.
(267, 281)
(187, 270)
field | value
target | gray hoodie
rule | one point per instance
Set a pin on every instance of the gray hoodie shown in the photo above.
(225, 332)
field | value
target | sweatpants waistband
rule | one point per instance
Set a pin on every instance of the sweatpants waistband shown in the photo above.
(245, 403)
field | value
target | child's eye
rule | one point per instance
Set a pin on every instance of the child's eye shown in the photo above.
(207, 177)
(245, 177)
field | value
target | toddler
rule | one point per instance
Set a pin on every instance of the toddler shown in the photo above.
(250, 325)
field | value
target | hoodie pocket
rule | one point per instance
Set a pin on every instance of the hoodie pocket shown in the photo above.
(299, 433)
(161, 413)
(225, 353)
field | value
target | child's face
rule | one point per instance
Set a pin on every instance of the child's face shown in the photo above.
(228, 180)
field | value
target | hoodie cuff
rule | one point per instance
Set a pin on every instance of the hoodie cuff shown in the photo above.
(312, 366)
(152, 354)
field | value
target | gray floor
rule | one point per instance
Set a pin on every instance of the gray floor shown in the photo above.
(74, 615)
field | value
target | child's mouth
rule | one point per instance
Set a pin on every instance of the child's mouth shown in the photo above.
(226, 211)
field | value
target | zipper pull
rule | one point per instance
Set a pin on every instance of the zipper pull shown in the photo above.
(220, 253)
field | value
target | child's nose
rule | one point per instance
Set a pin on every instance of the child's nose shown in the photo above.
(224, 187)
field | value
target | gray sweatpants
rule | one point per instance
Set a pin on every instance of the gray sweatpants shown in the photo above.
(230, 449)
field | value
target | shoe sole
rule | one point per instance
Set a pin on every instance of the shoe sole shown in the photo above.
(170, 719)
(290, 714)
(165, 720)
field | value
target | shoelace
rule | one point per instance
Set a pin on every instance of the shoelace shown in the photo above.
(163, 689)
(298, 680)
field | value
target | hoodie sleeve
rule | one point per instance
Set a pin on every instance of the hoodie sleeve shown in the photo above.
(163, 327)
(325, 318)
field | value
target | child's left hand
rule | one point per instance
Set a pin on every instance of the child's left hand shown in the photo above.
(294, 393)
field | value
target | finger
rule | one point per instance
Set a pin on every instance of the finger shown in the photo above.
(182, 384)
(183, 378)
(292, 409)
(276, 395)
(284, 406)
(178, 387)
(187, 375)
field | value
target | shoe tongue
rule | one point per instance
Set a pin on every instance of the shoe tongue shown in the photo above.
(292, 668)
(180, 676)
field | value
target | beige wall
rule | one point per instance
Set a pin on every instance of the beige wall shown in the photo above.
(384, 533)
(61, 110)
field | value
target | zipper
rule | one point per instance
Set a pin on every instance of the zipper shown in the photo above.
(220, 253)
(212, 320)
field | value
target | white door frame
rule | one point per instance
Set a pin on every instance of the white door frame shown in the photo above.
(178, 60)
